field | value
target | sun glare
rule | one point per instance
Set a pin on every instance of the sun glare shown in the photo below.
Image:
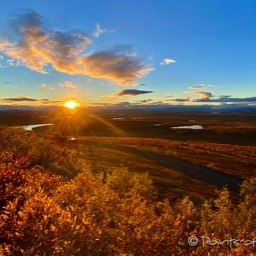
(71, 104)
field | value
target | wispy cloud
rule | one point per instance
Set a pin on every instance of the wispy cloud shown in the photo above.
(228, 99)
(167, 61)
(19, 99)
(45, 87)
(24, 99)
(203, 95)
(115, 66)
(50, 102)
(6, 82)
(200, 86)
(99, 30)
(32, 44)
(69, 85)
(125, 93)
(184, 99)
(144, 101)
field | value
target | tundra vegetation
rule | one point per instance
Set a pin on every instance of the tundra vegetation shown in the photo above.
(51, 203)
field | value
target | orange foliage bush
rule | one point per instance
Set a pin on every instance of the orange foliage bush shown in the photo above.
(43, 213)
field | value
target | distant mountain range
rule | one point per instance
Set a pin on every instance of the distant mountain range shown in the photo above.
(139, 107)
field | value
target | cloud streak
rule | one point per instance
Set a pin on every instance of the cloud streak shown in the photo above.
(98, 30)
(200, 86)
(18, 99)
(32, 44)
(69, 85)
(125, 93)
(132, 92)
(228, 99)
(32, 101)
(167, 61)
(203, 95)
(45, 87)
(184, 99)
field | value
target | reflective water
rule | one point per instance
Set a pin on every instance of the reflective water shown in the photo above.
(31, 127)
(195, 127)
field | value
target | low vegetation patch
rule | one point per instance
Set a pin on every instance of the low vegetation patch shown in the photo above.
(52, 204)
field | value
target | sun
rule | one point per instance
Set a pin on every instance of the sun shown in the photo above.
(71, 104)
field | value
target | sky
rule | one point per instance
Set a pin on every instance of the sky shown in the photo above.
(178, 52)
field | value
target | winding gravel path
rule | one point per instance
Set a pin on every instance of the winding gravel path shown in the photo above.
(195, 171)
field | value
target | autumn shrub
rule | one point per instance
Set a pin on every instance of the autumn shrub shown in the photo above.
(126, 185)
(111, 213)
(41, 152)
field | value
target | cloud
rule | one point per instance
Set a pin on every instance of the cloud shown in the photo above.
(184, 99)
(50, 102)
(198, 86)
(98, 31)
(45, 87)
(19, 99)
(228, 99)
(123, 104)
(32, 44)
(69, 85)
(144, 101)
(6, 82)
(130, 92)
(167, 61)
(203, 95)
(125, 93)
(114, 66)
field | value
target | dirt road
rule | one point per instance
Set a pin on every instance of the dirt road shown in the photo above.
(187, 168)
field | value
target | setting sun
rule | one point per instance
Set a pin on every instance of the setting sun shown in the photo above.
(71, 104)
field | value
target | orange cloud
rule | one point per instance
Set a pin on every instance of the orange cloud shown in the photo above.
(68, 85)
(45, 87)
(203, 95)
(114, 66)
(37, 47)
(198, 86)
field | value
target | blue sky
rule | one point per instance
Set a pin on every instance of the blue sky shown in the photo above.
(143, 52)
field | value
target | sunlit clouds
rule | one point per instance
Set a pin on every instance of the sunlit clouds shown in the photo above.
(228, 99)
(18, 99)
(32, 44)
(114, 66)
(167, 61)
(203, 95)
(45, 87)
(200, 86)
(109, 57)
(184, 99)
(69, 85)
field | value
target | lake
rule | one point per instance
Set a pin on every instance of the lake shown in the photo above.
(32, 126)
(194, 127)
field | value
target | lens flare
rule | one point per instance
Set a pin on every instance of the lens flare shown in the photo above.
(71, 104)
